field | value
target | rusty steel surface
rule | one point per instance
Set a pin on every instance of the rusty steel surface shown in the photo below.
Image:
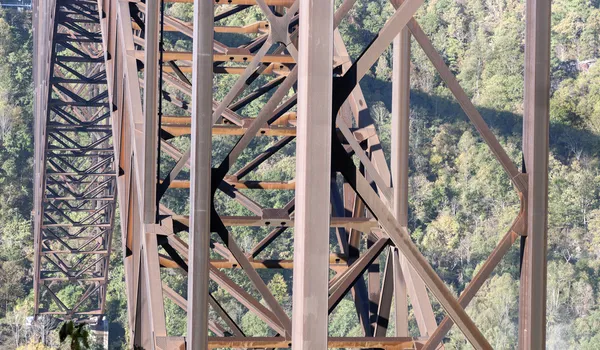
(284, 86)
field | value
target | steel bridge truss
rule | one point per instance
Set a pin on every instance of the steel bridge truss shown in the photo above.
(78, 187)
(292, 83)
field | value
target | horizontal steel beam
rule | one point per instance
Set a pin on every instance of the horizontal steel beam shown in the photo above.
(187, 56)
(361, 224)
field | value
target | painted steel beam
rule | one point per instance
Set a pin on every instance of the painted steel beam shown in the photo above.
(313, 164)
(399, 163)
(391, 343)
(151, 95)
(536, 122)
(233, 57)
(400, 155)
(200, 191)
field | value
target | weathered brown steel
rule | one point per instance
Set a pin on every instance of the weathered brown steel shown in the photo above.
(400, 157)
(187, 56)
(200, 191)
(536, 123)
(399, 343)
(257, 185)
(283, 51)
(151, 96)
(399, 161)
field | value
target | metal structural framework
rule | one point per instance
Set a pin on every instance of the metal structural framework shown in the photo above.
(290, 80)
(75, 168)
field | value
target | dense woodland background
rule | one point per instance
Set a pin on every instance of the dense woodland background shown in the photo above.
(461, 201)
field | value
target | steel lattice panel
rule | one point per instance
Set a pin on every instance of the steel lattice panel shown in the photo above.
(78, 205)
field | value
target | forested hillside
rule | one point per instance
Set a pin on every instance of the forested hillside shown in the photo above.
(461, 201)
(16, 174)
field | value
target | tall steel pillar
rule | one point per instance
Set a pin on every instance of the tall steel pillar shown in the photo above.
(313, 164)
(532, 321)
(200, 187)
(151, 93)
(399, 163)
(399, 166)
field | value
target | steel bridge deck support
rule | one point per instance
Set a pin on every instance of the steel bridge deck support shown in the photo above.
(536, 122)
(75, 168)
(200, 192)
(293, 45)
(313, 164)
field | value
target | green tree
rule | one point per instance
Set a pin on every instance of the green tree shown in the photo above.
(77, 336)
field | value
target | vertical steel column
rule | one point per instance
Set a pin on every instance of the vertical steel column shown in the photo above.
(417, 291)
(400, 294)
(150, 109)
(200, 190)
(313, 166)
(532, 328)
(153, 312)
(399, 163)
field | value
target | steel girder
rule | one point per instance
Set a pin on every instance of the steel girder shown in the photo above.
(77, 190)
(368, 217)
